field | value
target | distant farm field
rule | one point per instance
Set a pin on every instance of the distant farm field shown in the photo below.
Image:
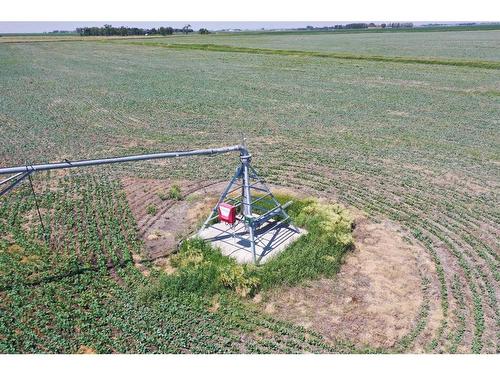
(471, 45)
(417, 145)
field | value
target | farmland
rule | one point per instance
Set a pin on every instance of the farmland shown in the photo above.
(413, 144)
(472, 45)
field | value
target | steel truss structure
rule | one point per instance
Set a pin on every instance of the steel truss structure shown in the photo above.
(252, 212)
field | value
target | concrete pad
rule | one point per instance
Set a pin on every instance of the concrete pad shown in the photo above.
(233, 241)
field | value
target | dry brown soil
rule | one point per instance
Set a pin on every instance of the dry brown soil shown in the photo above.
(375, 298)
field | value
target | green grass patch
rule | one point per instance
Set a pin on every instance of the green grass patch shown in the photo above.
(202, 270)
(335, 55)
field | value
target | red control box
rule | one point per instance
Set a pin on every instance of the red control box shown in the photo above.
(227, 213)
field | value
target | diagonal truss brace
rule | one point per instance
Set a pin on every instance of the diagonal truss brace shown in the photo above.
(13, 181)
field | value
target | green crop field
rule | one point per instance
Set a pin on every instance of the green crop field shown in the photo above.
(417, 144)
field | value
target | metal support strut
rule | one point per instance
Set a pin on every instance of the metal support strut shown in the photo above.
(247, 202)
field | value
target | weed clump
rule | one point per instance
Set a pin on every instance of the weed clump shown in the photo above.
(175, 193)
(151, 210)
(237, 278)
(330, 222)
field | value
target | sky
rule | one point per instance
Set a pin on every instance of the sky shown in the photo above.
(40, 27)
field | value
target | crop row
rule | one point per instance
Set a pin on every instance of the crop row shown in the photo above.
(86, 224)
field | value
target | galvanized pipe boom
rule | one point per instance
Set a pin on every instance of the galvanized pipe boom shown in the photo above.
(244, 172)
(121, 159)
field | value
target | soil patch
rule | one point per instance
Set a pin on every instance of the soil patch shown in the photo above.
(374, 300)
(171, 220)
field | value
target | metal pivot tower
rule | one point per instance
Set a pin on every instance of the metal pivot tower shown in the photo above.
(252, 212)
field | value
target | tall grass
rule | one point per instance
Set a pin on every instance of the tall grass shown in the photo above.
(319, 252)
(202, 270)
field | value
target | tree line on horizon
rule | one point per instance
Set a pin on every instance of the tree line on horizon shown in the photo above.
(362, 25)
(108, 30)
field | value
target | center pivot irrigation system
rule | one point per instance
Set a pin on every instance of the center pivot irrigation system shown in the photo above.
(229, 208)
